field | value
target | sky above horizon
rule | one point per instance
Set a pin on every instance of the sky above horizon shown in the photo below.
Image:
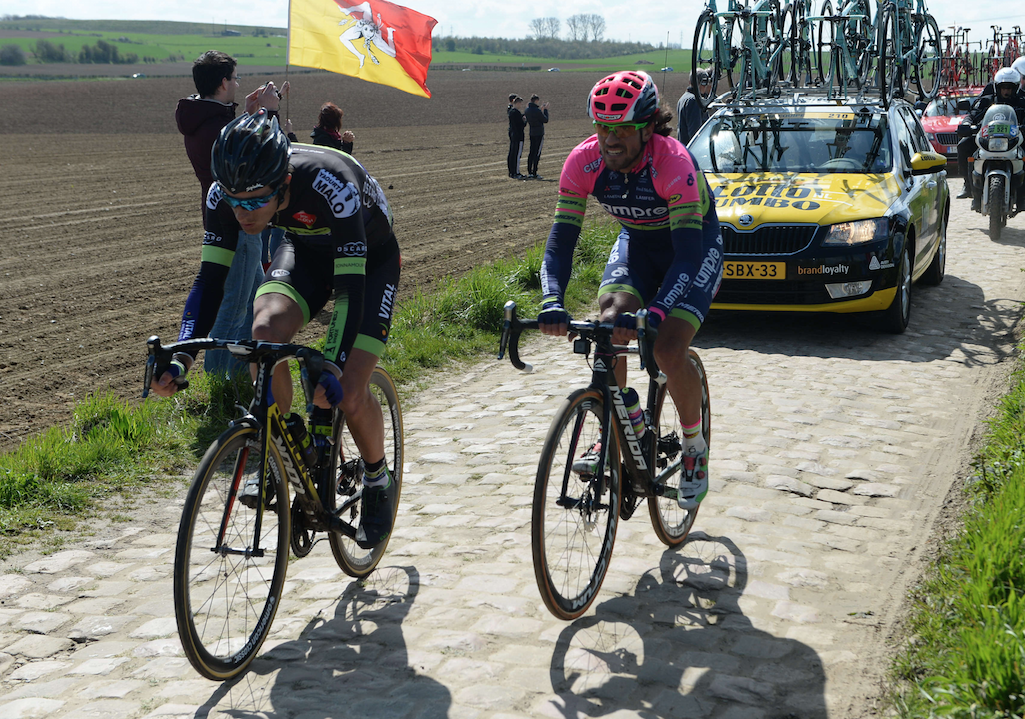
(650, 21)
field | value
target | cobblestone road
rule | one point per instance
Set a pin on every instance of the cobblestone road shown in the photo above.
(833, 449)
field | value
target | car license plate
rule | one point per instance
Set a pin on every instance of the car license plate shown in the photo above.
(754, 270)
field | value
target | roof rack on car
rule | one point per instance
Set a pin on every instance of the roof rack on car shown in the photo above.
(812, 94)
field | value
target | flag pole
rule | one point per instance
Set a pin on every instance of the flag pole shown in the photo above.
(288, 49)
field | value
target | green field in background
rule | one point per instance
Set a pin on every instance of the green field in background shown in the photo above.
(162, 40)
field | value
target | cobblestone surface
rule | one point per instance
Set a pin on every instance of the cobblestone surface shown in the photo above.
(833, 449)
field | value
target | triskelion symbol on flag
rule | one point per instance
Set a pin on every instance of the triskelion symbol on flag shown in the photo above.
(371, 32)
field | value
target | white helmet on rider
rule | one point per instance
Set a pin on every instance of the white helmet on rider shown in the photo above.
(1019, 65)
(1007, 75)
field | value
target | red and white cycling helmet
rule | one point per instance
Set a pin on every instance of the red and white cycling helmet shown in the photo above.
(626, 96)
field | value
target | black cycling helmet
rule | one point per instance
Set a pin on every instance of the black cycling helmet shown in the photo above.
(251, 152)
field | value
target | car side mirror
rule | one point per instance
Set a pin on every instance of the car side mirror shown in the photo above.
(927, 163)
(964, 104)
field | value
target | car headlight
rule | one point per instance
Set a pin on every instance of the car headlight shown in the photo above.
(846, 234)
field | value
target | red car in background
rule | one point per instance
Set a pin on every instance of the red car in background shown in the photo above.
(941, 118)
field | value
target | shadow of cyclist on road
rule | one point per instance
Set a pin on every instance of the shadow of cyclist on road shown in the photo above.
(681, 647)
(353, 663)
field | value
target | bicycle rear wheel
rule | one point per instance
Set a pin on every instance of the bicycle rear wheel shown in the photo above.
(929, 72)
(824, 36)
(575, 513)
(228, 581)
(671, 523)
(348, 477)
(705, 55)
(891, 79)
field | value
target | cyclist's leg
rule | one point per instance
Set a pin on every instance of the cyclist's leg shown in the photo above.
(278, 318)
(294, 293)
(629, 277)
(363, 410)
(363, 413)
(611, 305)
(682, 378)
(672, 352)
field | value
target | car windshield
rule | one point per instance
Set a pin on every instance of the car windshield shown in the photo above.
(815, 142)
(944, 107)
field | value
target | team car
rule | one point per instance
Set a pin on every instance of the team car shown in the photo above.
(940, 120)
(825, 206)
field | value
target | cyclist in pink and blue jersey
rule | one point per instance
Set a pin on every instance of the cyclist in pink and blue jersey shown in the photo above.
(668, 257)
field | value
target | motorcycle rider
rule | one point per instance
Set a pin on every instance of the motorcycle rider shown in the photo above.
(1005, 89)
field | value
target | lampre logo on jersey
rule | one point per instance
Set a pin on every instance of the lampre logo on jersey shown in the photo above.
(343, 197)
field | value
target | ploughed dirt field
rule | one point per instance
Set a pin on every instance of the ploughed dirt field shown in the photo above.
(101, 225)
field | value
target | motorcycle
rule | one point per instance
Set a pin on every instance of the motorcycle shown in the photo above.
(999, 169)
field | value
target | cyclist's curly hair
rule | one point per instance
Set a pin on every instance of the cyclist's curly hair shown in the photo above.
(663, 119)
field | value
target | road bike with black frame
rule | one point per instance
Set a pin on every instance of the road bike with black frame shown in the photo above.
(576, 509)
(231, 558)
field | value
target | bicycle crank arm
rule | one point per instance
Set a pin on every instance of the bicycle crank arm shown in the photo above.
(667, 472)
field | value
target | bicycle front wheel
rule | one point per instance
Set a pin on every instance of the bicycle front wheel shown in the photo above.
(348, 477)
(672, 524)
(929, 72)
(227, 577)
(576, 510)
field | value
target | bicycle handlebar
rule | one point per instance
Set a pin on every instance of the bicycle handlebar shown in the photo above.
(160, 355)
(512, 328)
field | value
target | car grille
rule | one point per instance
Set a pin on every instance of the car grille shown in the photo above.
(946, 138)
(771, 292)
(770, 240)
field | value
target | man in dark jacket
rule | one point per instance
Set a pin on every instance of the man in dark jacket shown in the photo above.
(516, 123)
(536, 117)
(690, 115)
(200, 118)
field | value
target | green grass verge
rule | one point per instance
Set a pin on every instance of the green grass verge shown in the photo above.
(965, 656)
(112, 446)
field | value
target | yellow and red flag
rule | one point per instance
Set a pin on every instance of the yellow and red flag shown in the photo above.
(373, 40)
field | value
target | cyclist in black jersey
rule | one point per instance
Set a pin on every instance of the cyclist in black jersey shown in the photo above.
(339, 242)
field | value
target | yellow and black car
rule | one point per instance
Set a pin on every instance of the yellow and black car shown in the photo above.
(825, 206)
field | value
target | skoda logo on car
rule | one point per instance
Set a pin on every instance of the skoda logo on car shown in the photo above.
(746, 220)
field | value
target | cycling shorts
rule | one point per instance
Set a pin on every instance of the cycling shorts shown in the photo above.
(638, 263)
(309, 280)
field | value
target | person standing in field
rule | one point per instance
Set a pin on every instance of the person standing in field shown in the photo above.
(536, 117)
(200, 118)
(690, 115)
(516, 123)
(328, 131)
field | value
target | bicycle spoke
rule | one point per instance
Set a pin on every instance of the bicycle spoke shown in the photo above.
(227, 581)
(575, 510)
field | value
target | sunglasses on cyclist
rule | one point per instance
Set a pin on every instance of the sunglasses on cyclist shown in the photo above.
(250, 203)
(622, 130)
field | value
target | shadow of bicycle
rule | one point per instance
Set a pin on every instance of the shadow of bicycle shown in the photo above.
(349, 661)
(680, 647)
